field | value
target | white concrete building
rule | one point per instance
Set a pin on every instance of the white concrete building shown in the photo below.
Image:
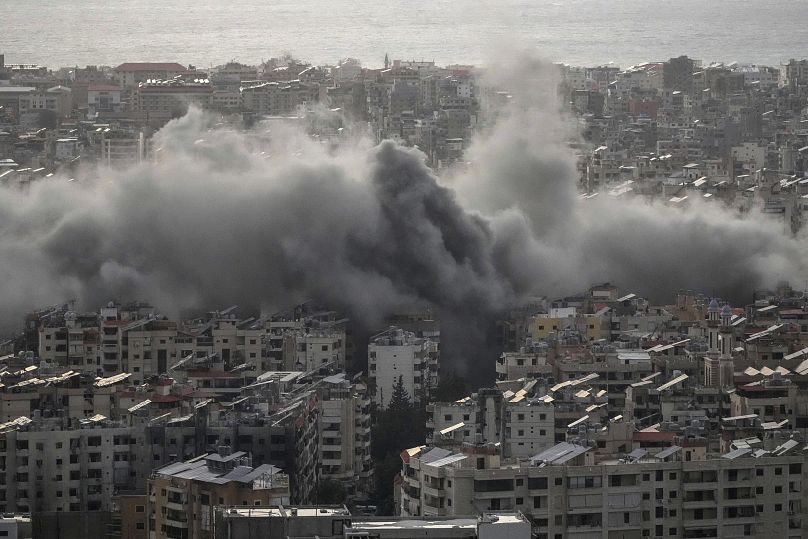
(103, 98)
(395, 355)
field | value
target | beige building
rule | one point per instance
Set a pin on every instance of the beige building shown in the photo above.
(182, 496)
(130, 74)
(279, 98)
(344, 443)
(567, 493)
(159, 100)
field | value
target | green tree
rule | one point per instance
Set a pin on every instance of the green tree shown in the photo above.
(331, 492)
(401, 426)
(400, 399)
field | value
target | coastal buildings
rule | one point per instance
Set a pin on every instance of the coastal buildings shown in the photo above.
(600, 390)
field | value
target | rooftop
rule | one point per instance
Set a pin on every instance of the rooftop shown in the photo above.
(151, 66)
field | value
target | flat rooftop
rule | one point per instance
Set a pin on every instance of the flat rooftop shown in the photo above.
(408, 524)
(266, 512)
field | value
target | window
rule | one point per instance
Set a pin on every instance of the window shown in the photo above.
(759, 472)
(140, 508)
(585, 481)
(778, 507)
(447, 417)
(139, 526)
(534, 483)
(520, 482)
(778, 471)
(519, 501)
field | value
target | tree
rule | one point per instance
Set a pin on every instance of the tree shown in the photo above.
(331, 492)
(401, 426)
(400, 399)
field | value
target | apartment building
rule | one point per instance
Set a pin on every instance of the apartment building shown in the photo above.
(520, 423)
(279, 98)
(334, 522)
(61, 465)
(344, 425)
(530, 361)
(71, 340)
(57, 99)
(182, 496)
(103, 99)
(130, 74)
(396, 355)
(159, 100)
(567, 492)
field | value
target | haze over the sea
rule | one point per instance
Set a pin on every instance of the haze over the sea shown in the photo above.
(583, 32)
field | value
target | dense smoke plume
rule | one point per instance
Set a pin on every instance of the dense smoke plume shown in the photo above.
(216, 221)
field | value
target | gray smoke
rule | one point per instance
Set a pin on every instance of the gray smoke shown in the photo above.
(222, 218)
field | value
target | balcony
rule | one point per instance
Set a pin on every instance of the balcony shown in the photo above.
(176, 506)
(700, 523)
(177, 523)
(698, 504)
(432, 491)
(712, 485)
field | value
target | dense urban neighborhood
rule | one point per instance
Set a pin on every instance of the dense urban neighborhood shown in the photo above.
(610, 412)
